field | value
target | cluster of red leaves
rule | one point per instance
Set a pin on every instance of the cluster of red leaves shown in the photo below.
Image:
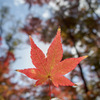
(10, 57)
(5, 61)
(33, 25)
(8, 89)
(51, 67)
(39, 2)
(4, 69)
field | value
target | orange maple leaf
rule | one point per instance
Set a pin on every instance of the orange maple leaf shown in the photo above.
(51, 67)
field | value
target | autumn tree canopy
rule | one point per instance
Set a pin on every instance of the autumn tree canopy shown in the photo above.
(80, 24)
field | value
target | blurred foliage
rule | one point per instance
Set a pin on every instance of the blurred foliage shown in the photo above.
(8, 90)
(80, 26)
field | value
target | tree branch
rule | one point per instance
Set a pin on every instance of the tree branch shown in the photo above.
(81, 71)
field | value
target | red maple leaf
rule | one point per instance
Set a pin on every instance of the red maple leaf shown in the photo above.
(51, 67)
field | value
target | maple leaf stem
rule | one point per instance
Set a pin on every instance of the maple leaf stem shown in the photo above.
(49, 89)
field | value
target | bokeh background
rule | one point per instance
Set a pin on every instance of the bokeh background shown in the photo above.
(80, 24)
